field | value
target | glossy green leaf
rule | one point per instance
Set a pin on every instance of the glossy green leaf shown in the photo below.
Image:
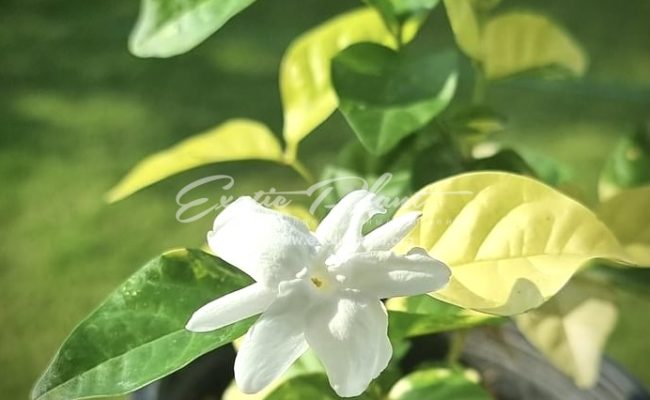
(423, 315)
(308, 98)
(465, 24)
(396, 12)
(234, 140)
(628, 215)
(386, 96)
(519, 41)
(311, 386)
(628, 165)
(572, 328)
(511, 241)
(439, 384)
(167, 28)
(138, 334)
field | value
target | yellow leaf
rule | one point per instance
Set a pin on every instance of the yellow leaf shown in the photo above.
(519, 41)
(308, 98)
(465, 25)
(628, 215)
(237, 139)
(511, 241)
(571, 330)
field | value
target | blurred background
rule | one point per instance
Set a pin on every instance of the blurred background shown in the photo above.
(77, 111)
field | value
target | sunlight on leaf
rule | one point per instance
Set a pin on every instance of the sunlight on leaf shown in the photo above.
(237, 139)
(308, 98)
(167, 28)
(572, 328)
(143, 323)
(628, 215)
(465, 25)
(516, 42)
(511, 241)
(439, 383)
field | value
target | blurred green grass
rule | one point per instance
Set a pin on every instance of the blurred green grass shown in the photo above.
(77, 111)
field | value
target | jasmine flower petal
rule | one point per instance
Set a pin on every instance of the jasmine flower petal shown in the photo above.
(267, 245)
(349, 335)
(231, 308)
(275, 341)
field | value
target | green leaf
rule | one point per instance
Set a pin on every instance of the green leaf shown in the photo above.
(423, 315)
(628, 215)
(635, 280)
(545, 167)
(465, 24)
(504, 160)
(396, 12)
(437, 161)
(311, 386)
(517, 42)
(237, 139)
(386, 96)
(167, 28)
(628, 165)
(138, 334)
(572, 328)
(439, 384)
(511, 241)
(308, 98)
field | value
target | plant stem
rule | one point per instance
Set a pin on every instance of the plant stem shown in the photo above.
(456, 347)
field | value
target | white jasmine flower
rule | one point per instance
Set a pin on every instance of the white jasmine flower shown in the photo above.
(321, 290)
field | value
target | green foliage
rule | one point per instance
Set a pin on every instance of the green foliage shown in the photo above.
(423, 315)
(138, 334)
(308, 98)
(504, 160)
(167, 28)
(387, 95)
(439, 384)
(628, 165)
(396, 12)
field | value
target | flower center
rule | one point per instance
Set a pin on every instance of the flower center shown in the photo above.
(317, 282)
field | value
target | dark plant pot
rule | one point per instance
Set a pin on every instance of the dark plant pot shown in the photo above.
(511, 369)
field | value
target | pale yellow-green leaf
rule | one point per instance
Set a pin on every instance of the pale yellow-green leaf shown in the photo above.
(628, 215)
(571, 330)
(308, 98)
(520, 41)
(511, 241)
(465, 25)
(237, 139)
